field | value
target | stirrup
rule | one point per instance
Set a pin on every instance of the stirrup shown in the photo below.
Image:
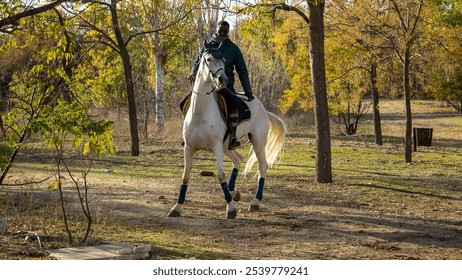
(234, 143)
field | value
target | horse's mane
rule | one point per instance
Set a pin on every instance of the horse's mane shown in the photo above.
(214, 52)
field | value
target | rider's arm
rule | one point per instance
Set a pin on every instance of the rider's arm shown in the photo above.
(241, 70)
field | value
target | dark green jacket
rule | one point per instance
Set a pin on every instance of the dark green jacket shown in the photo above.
(233, 59)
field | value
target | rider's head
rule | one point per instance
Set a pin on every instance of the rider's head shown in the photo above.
(222, 28)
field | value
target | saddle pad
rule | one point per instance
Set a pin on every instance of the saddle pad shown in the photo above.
(243, 109)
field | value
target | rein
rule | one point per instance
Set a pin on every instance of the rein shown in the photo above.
(207, 93)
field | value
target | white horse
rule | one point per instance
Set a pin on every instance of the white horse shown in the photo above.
(204, 129)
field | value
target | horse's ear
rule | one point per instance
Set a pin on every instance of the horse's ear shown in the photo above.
(221, 47)
(206, 44)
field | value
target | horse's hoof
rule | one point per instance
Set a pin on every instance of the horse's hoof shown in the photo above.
(254, 208)
(174, 213)
(231, 215)
(236, 195)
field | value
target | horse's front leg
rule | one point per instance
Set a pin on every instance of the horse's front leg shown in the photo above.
(221, 177)
(236, 158)
(188, 159)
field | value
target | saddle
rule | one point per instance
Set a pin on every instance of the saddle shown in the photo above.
(228, 102)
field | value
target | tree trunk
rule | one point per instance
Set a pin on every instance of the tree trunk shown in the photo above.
(407, 96)
(160, 119)
(408, 20)
(4, 93)
(135, 147)
(323, 146)
(147, 106)
(375, 105)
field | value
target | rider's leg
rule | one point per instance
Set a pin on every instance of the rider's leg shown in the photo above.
(234, 142)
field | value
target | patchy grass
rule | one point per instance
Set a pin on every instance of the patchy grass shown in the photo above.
(376, 202)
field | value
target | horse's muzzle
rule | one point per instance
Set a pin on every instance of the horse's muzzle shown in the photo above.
(221, 81)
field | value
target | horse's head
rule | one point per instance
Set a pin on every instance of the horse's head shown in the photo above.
(213, 68)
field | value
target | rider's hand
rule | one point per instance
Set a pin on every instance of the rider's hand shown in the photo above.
(249, 96)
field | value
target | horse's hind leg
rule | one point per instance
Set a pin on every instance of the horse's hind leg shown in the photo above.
(188, 159)
(262, 169)
(236, 158)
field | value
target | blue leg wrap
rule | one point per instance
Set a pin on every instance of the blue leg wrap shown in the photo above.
(228, 196)
(261, 184)
(232, 179)
(182, 195)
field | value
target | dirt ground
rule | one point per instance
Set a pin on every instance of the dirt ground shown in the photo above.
(298, 219)
(368, 213)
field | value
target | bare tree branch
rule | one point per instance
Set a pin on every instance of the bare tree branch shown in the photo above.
(398, 12)
(279, 6)
(417, 17)
(14, 19)
(111, 43)
(160, 29)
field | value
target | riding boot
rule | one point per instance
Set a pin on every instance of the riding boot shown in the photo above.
(233, 122)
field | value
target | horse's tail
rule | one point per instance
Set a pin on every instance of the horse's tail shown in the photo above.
(275, 143)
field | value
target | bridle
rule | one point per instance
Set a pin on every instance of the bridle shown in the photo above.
(214, 74)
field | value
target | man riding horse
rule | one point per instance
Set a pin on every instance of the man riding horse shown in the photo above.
(233, 59)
